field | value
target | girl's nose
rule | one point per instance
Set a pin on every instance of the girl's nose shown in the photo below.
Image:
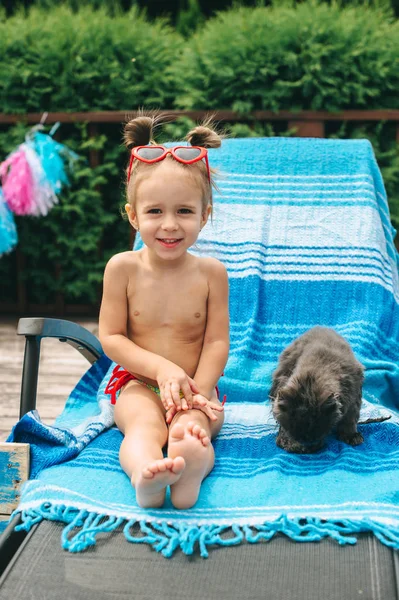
(169, 223)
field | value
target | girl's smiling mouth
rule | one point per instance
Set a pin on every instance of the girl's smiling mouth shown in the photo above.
(169, 242)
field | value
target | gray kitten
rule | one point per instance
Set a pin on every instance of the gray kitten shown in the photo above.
(317, 387)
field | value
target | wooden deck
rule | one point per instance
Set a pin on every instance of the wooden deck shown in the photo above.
(60, 369)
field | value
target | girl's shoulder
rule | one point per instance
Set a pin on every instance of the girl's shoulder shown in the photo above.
(212, 266)
(128, 256)
(123, 261)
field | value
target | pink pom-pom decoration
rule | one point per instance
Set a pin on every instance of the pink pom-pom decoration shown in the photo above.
(34, 173)
(18, 185)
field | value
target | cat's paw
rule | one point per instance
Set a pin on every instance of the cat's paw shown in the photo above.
(353, 439)
(291, 445)
(280, 442)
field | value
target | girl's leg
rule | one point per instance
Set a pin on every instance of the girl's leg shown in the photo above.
(190, 436)
(140, 416)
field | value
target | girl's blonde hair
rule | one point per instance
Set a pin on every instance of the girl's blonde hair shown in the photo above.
(140, 132)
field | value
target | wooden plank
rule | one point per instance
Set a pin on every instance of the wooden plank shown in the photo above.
(308, 129)
(220, 115)
(14, 471)
(323, 115)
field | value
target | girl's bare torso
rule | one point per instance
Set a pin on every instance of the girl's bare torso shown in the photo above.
(167, 313)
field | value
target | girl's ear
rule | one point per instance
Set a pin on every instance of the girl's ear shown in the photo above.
(205, 215)
(131, 216)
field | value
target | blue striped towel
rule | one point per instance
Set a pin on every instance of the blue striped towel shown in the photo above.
(303, 228)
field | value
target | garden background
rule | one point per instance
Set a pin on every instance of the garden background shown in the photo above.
(113, 56)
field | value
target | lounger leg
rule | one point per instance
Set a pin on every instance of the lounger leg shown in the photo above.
(30, 375)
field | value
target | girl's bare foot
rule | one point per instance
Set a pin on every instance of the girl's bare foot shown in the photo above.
(154, 478)
(194, 445)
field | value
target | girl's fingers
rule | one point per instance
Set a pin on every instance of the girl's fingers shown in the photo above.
(193, 385)
(209, 413)
(175, 394)
(188, 396)
(168, 397)
(163, 400)
(170, 414)
(214, 406)
(199, 400)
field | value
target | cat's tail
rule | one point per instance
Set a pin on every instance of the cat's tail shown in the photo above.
(375, 420)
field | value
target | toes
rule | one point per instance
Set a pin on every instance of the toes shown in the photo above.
(177, 431)
(178, 465)
(190, 427)
(193, 428)
(161, 466)
(154, 467)
(148, 472)
(204, 438)
(197, 431)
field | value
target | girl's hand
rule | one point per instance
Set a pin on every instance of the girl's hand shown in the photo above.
(171, 380)
(207, 406)
(199, 403)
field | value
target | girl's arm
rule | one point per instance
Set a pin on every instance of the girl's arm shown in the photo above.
(215, 349)
(119, 348)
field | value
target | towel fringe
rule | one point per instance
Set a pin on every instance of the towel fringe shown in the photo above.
(83, 526)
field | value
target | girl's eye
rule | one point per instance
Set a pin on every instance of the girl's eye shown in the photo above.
(154, 211)
(185, 211)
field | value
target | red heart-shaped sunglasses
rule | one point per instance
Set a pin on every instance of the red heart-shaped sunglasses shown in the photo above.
(183, 154)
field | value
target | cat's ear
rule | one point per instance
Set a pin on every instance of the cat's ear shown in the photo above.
(291, 388)
(287, 395)
(282, 404)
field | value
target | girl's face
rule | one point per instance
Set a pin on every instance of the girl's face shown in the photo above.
(168, 211)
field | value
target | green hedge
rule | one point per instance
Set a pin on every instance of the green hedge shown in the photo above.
(63, 61)
(313, 56)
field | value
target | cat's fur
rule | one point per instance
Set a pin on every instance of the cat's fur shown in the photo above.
(317, 387)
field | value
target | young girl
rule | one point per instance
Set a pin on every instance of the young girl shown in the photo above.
(164, 321)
